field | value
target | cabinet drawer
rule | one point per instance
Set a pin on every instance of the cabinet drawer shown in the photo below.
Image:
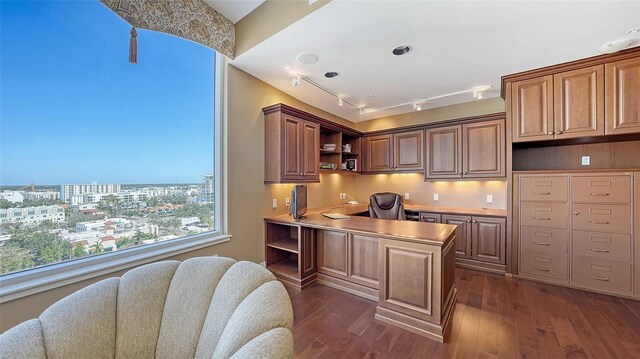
(606, 218)
(601, 189)
(548, 188)
(544, 239)
(601, 275)
(545, 265)
(430, 217)
(605, 246)
(544, 214)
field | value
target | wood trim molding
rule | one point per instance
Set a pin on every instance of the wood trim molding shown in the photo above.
(567, 66)
(280, 107)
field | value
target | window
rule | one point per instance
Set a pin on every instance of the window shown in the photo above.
(125, 152)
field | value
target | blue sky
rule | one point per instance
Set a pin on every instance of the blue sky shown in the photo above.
(73, 110)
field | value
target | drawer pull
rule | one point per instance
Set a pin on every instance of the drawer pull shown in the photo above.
(542, 244)
(598, 194)
(604, 279)
(598, 250)
(542, 193)
(542, 269)
(542, 218)
(598, 222)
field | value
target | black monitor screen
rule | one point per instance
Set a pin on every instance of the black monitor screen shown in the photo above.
(299, 201)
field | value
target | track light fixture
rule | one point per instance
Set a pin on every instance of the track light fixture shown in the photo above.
(340, 101)
(296, 81)
(417, 106)
(362, 112)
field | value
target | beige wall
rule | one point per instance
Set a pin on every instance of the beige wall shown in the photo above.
(481, 107)
(269, 18)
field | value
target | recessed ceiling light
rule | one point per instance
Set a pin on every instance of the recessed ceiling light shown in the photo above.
(307, 58)
(331, 74)
(401, 50)
(615, 46)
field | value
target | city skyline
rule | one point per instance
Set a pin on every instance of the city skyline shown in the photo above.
(74, 110)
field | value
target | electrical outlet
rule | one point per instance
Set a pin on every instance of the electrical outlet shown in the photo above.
(274, 203)
(406, 195)
(586, 160)
(436, 197)
(489, 198)
(286, 201)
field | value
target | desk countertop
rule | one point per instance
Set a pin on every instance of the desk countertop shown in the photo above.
(430, 233)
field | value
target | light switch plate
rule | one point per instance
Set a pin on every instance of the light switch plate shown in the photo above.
(586, 160)
(274, 203)
(489, 198)
(436, 197)
(286, 201)
(406, 195)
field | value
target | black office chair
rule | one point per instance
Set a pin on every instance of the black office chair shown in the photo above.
(386, 206)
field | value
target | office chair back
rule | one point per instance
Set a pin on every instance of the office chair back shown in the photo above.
(386, 206)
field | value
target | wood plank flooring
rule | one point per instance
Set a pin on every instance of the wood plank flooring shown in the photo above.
(495, 317)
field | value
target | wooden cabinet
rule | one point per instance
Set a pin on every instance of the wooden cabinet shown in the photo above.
(444, 152)
(291, 148)
(579, 102)
(474, 150)
(378, 153)
(483, 149)
(622, 90)
(307, 252)
(332, 253)
(395, 152)
(488, 239)
(532, 109)
(363, 260)
(463, 233)
(430, 217)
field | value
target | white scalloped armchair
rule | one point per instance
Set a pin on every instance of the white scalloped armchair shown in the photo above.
(207, 307)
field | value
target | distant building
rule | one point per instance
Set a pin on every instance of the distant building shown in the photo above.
(38, 195)
(89, 226)
(206, 193)
(12, 196)
(68, 191)
(32, 215)
(189, 220)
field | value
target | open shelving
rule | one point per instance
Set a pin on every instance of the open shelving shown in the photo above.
(283, 245)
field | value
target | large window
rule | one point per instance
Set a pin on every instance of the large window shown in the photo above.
(98, 155)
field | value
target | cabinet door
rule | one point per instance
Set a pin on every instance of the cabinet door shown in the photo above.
(484, 149)
(408, 149)
(291, 146)
(307, 252)
(310, 153)
(332, 253)
(622, 103)
(488, 239)
(579, 102)
(463, 235)
(363, 260)
(444, 152)
(378, 153)
(430, 217)
(532, 109)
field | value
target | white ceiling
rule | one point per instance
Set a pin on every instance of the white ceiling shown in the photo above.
(456, 46)
(234, 10)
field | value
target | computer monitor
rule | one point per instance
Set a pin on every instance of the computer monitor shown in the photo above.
(299, 201)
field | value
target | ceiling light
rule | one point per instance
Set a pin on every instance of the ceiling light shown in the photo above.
(615, 46)
(296, 81)
(417, 106)
(362, 112)
(307, 58)
(401, 50)
(331, 74)
(480, 96)
(340, 101)
(478, 91)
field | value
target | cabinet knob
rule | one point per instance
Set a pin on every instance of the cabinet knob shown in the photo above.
(558, 132)
(576, 213)
(550, 133)
(474, 221)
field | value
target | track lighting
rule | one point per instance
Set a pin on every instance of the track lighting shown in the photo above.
(362, 112)
(296, 81)
(417, 106)
(340, 101)
(477, 91)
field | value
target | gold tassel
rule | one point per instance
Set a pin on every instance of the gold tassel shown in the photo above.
(133, 46)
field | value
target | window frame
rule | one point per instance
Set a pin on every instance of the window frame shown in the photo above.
(31, 281)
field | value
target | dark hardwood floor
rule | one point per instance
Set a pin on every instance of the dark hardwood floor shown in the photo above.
(496, 317)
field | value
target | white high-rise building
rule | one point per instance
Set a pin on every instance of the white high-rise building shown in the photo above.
(32, 215)
(68, 191)
(38, 195)
(206, 193)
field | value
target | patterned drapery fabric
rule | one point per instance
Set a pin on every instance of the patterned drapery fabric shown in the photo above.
(190, 19)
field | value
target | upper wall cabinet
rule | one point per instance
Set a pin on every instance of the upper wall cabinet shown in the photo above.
(473, 150)
(394, 152)
(585, 98)
(623, 96)
(291, 148)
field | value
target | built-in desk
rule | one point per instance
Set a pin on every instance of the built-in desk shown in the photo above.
(408, 267)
